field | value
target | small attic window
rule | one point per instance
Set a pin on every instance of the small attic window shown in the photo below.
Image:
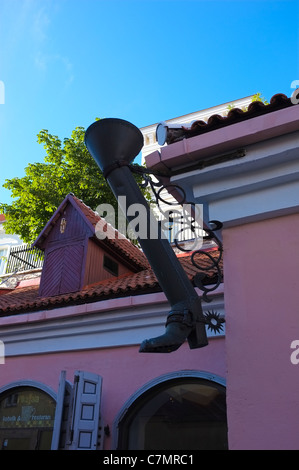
(110, 265)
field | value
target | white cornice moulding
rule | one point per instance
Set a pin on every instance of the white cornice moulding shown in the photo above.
(262, 184)
(80, 329)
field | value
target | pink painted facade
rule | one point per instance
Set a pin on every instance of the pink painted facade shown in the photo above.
(261, 301)
(124, 371)
(256, 198)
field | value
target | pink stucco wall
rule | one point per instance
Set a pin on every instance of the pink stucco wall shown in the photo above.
(261, 264)
(124, 370)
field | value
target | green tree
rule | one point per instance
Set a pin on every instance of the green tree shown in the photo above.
(67, 167)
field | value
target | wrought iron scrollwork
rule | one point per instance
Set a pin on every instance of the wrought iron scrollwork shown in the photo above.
(199, 257)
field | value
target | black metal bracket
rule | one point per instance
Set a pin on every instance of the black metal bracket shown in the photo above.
(209, 229)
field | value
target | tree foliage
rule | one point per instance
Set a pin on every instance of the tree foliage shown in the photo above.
(67, 168)
(259, 97)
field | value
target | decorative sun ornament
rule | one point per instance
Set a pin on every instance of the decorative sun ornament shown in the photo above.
(214, 321)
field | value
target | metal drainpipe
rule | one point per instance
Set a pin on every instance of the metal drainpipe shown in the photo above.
(114, 143)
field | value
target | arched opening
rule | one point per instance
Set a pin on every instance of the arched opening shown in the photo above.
(26, 419)
(184, 413)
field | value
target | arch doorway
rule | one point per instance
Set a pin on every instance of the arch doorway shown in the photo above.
(183, 413)
(26, 419)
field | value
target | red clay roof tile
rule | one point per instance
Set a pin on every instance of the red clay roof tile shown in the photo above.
(256, 108)
(26, 299)
(114, 238)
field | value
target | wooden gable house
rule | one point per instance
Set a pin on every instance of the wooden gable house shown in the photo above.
(76, 257)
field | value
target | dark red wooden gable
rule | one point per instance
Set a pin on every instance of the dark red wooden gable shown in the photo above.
(73, 257)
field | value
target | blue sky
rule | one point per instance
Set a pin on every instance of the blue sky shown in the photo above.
(65, 62)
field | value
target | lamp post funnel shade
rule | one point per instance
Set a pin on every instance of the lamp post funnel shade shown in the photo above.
(113, 140)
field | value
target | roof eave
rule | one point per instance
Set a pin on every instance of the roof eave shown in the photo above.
(196, 149)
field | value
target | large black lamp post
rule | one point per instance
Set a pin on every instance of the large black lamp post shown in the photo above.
(114, 143)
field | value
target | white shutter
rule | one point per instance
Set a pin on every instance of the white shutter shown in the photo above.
(62, 414)
(77, 422)
(86, 429)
